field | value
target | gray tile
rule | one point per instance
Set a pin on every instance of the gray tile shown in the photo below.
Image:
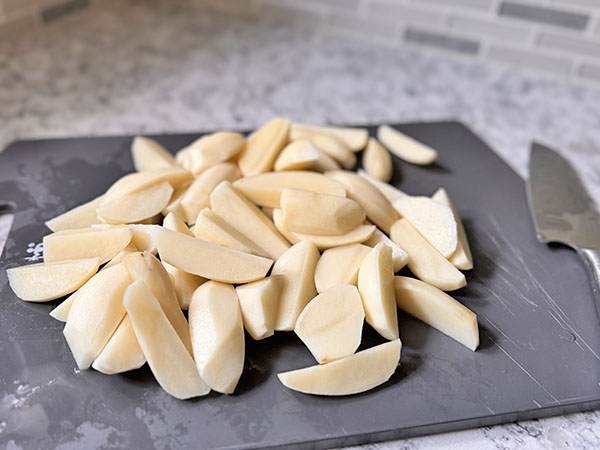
(569, 44)
(530, 59)
(590, 72)
(62, 9)
(480, 5)
(545, 15)
(490, 28)
(441, 40)
(366, 26)
(393, 10)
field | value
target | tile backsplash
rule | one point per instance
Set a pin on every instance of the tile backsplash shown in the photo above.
(560, 37)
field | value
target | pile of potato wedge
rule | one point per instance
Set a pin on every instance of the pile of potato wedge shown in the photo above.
(270, 232)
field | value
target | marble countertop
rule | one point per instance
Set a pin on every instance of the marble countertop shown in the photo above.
(152, 67)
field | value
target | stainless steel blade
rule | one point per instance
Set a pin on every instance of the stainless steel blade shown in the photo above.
(6, 220)
(561, 208)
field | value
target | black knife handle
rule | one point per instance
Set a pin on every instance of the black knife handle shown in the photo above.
(592, 263)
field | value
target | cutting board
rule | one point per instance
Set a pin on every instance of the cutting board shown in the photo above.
(539, 328)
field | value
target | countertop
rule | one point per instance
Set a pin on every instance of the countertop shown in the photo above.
(152, 67)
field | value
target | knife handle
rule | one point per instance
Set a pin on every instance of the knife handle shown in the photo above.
(592, 263)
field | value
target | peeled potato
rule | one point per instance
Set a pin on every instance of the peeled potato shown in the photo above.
(96, 313)
(82, 216)
(433, 220)
(405, 147)
(355, 236)
(213, 149)
(339, 265)
(103, 243)
(259, 302)
(265, 189)
(297, 265)
(350, 375)
(314, 213)
(217, 335)
(330, 145)
(147, 154)
(119, 256)
(174, 206)
(377, 161)
(140, 180)
(278, 222)
(424, 260)
(437, 309)
(296, 156)
(175, 223)
(143, 237)
(185, 284)
(209, 260)
(399, 256)
(391, 193)
(48, 281)
(122, 352)
(61, 312)
(264, 146)
(324, 163)
(168, 358)
(331, 323)
(354, 138)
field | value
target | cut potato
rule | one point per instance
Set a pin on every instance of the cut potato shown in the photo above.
(376, 287)
(147, 154)
(174, 206)
(213, 149)
(185, 284)
(424, 260)
(437, 309)
(325, 163)
(278, 221)
(297, 265)
(432, 219)
(330, 145)
(399, 256)
(405, 147)
(154, 220)
(175, 223)
(140, 180)
(356, 236)
(462, 257)
(377, 161)
(246, 218)
(391, 193)
(82, 216)
(212, 228)
(209, 260)
(96, 313)
(264, 146)
(259, 302)
(354, 138)
(350, 375)
(297, 155)
(143, 237)
(82, 243)
(331, 323)
(48, 281)
(265, 189)
(197, 197)
(144, 266)
(314, 213)
(217, 335)
(267, 212)
(168, 358)
(339, 265)
(119, 257)
(137, 205)
(122, 352)
(61, 312)
(378, 209)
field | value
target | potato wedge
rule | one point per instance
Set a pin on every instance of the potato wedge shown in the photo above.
(48, 281)
(354, 138)
(377, 161)
(82, 243)
(197, 197)
(185, 284)
(424, 260)
(391, 193)
(297, 265)
(213, 149)
(175, 223)
(339, 265)
(122, 352)
(268, 212)
(138, 205)
(330, 145)
(82, 216)
(119, 257)
(264, 146)
(331, 323)
(314, 213)
(265, 189)
(168, 358)
(278, 222)
(350, 375)
(147, 154)
(245, 217)
(433, 220)
(297, 155)
(324, 163)
(210, 260)
(174, 206)
(462, 257)
(61, 312)
(143, 237)
(217, 335)
(405, 147)
(259, 302)
(96, 313)
(356, 236)
(376, 287)
(378, 209)
(399, 256)
(140, 180)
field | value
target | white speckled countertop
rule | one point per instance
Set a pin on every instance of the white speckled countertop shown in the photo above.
(155, 67)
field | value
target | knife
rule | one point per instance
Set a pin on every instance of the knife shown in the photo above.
(562, 209)
(6, 220)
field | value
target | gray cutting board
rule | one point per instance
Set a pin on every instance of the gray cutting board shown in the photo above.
(540, 332)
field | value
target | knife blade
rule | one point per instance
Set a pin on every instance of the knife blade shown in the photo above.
(6, 220)
(562, 210)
